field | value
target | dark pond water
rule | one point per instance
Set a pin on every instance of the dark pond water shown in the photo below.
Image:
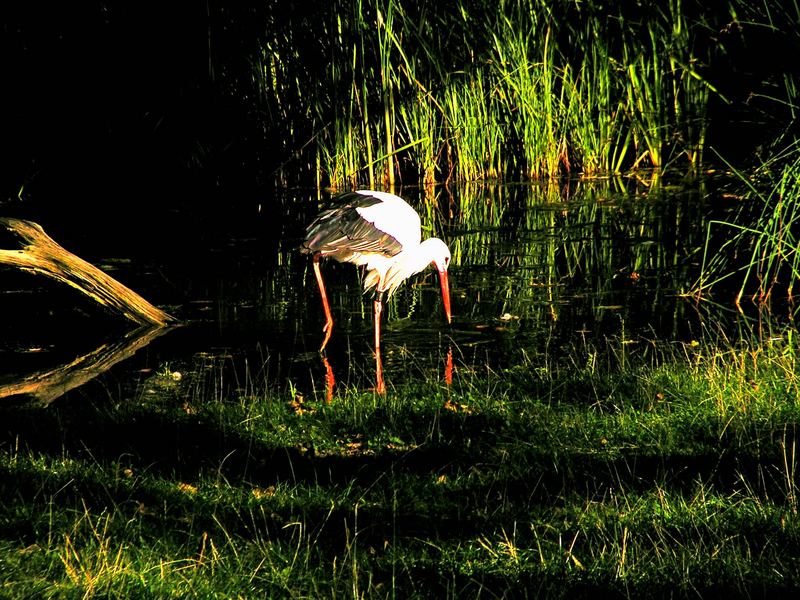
(536, 272)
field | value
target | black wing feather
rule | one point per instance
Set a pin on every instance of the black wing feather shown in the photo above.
(340, 230)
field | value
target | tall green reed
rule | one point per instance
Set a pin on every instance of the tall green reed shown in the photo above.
(399, 91)
(474, 133)
(595, 113)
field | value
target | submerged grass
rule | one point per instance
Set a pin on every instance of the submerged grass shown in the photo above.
(671, 474)
(760, 249)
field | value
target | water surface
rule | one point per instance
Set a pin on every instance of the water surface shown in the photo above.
(537, 271)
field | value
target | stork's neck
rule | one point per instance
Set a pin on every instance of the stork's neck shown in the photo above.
(390, 272)
(422, 255)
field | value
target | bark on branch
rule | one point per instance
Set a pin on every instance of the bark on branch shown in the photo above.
(39, 254)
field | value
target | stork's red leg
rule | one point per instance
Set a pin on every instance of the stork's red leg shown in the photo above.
(328, 328)
(380, 386)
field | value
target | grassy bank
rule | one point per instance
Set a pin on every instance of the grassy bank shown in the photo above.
(669, 476)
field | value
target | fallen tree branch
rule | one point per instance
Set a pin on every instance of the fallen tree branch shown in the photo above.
(39, 254)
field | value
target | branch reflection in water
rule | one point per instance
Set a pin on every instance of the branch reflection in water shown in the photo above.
(40, 388)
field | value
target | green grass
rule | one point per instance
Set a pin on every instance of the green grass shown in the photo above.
(664, 473)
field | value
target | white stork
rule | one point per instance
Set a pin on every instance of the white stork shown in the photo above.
(382, 232)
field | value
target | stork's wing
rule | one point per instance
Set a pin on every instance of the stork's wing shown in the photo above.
(340, 229)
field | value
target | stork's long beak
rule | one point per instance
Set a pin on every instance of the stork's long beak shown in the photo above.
(445, 293)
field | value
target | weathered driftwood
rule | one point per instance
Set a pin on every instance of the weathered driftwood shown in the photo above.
(39, 254)
(40, 388)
